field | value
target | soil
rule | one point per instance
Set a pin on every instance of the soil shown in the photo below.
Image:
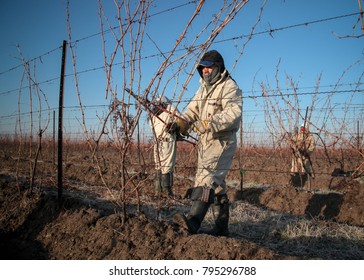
(89, 223)
(33, 226)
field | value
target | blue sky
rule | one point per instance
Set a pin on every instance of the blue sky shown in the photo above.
(304, 52)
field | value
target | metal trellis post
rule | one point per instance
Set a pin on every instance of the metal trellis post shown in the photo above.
(60, 123)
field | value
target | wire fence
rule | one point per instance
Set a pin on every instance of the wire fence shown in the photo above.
(269, 116)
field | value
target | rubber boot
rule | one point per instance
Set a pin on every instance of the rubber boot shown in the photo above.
(201, 197)
(221, 210)
(194, 218)
(166, 183)
(304, 178)
(296, 181)
(157, 182)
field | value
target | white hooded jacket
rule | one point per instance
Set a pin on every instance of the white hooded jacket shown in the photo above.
(220, 104)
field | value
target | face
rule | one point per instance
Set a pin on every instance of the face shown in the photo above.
(206, 71)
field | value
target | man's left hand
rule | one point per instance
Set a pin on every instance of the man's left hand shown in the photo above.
(201, 126)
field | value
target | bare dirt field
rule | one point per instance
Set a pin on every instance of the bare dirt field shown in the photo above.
(268, 219)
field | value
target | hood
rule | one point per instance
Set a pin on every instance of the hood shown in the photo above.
(211, 58)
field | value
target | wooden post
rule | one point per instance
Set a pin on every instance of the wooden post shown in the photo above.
(60, 123)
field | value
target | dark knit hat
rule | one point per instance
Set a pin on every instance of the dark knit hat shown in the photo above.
(211, 58)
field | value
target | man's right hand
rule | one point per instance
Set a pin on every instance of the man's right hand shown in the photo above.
(172, 128)
(183, 126)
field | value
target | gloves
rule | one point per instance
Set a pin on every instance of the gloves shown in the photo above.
(178, 126)
(179, 137)
(183, 126)
(201, 127)
(172, 128)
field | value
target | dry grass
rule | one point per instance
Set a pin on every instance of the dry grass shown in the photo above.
(295, 235)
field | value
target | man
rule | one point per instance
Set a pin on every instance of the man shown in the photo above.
(303, 144)
(164, 145)
(215, 114)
